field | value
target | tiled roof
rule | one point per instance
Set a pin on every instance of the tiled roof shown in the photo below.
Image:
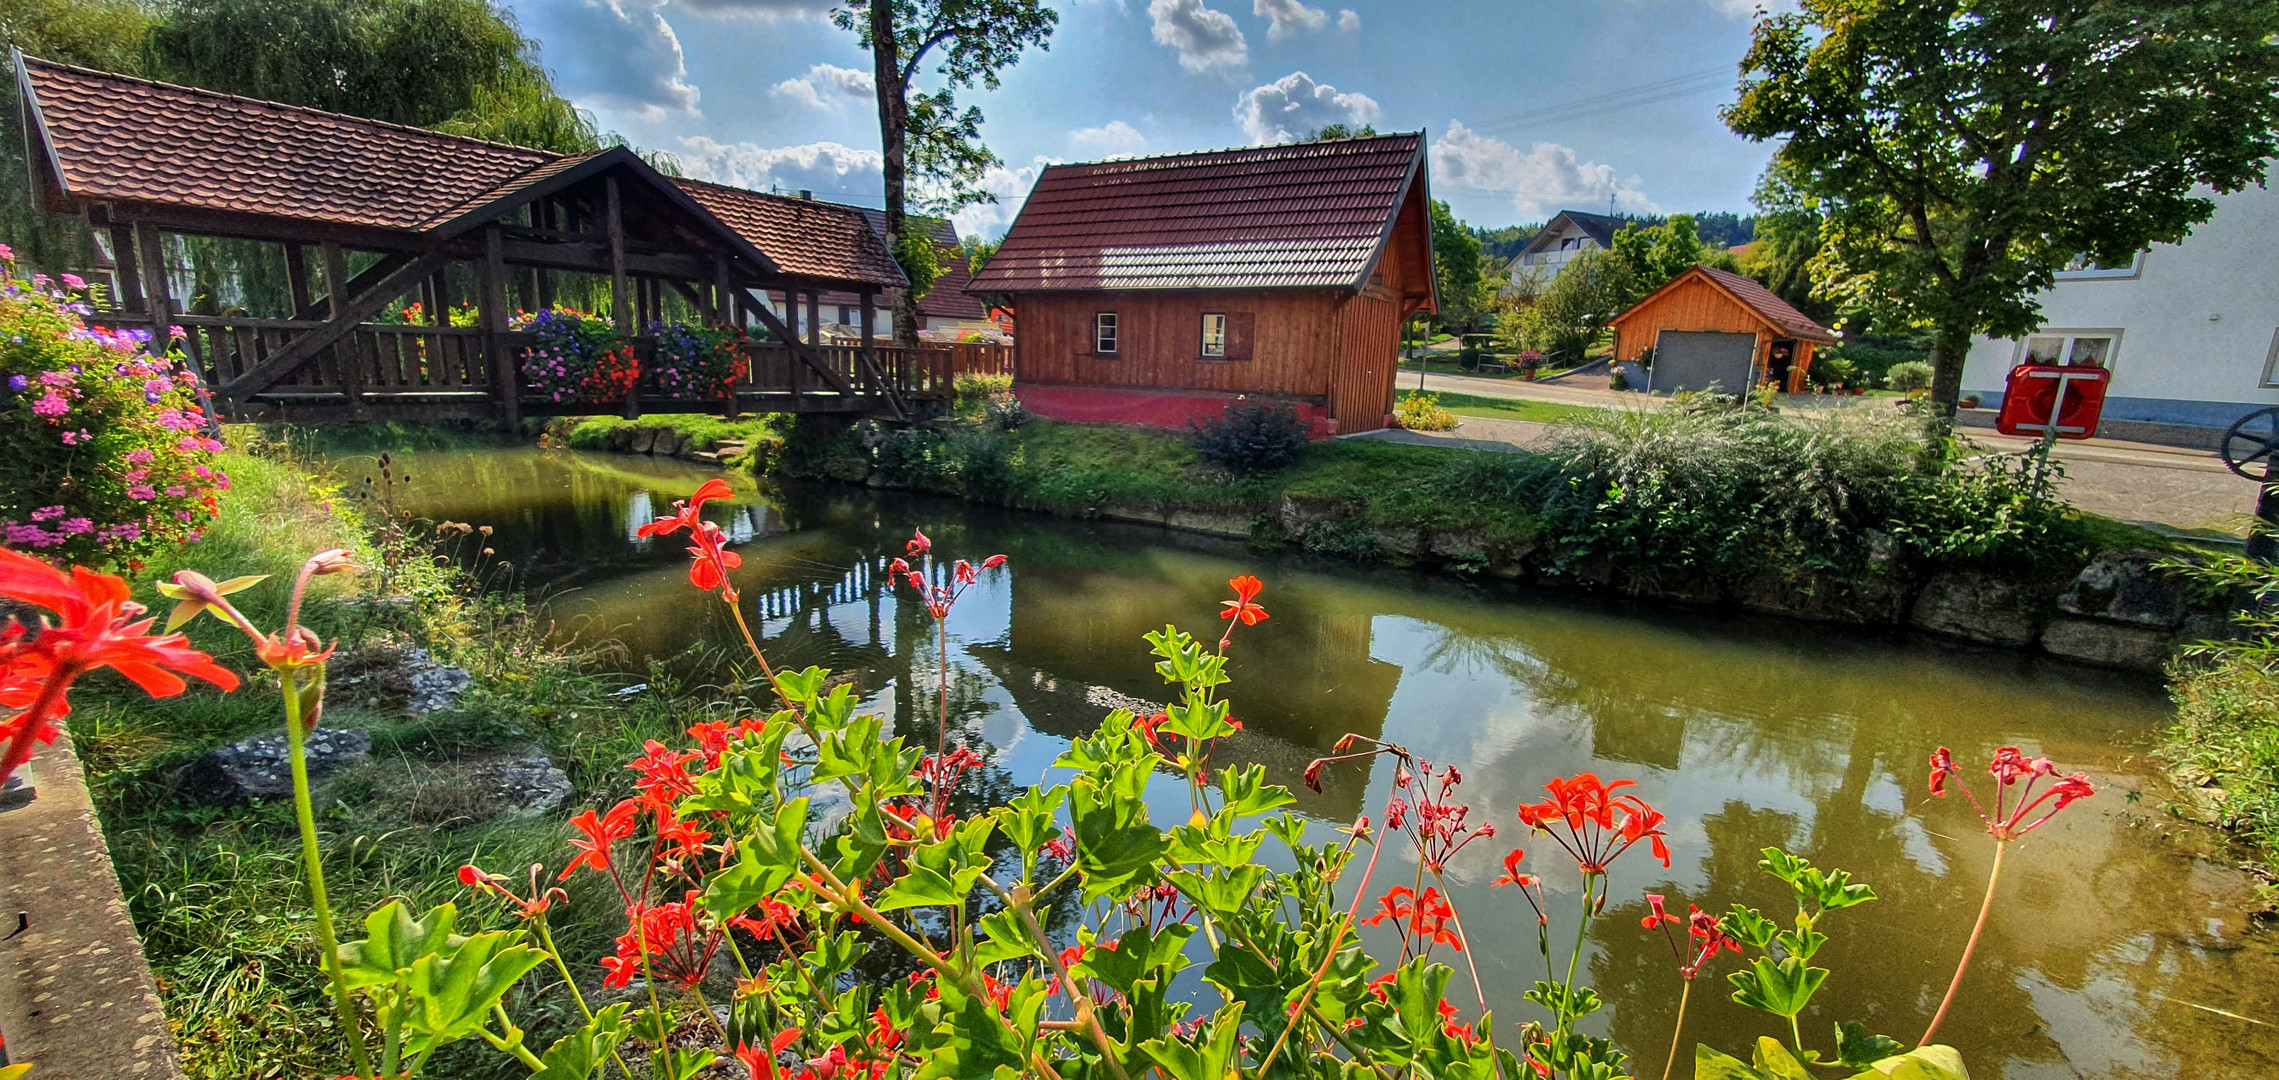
(130, 140)
(1304, 215)
(1766, 303)
(801, 236)
(947, 299)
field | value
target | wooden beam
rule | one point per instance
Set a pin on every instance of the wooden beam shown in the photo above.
(620, 292)
(297, 278)
(506, 382)
(351, 366)
(123, 256)
(814, 317)
(389, 263)
(762, 310)
(159, 305)
(870, 358)
(298, 351)
(720, 307)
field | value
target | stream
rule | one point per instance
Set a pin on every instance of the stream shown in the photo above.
(2120, 944)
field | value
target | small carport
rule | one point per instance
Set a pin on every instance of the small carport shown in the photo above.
(1710, 327)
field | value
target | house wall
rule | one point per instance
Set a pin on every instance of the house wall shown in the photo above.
(2195, 323)
(1554, 254)
(1329, 347)
(1692, 304)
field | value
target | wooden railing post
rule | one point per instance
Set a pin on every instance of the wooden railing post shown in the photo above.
(506, 378)
(349, 360)
(157, 303)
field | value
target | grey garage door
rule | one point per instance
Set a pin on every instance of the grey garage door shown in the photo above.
(1697, 360)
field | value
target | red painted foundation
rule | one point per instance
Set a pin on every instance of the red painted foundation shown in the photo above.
(1152, 408)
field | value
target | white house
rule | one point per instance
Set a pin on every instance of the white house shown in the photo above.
(1568, 234)
(2190, 330)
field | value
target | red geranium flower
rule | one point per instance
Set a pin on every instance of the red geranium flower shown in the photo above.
(2010, 766)
(600, 832)
(713, 560)
(1599, 824)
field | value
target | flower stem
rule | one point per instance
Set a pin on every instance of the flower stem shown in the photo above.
(1992, 876)
(313, 860)
(1678, 1033)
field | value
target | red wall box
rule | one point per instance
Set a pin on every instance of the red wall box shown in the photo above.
(2074, 394)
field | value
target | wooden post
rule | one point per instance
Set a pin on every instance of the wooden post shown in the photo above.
(439, 311)
(297, 278)
(720, 305)
(160, 305)
(506, 382)
(870, 350)
(620, 287)
(349, 362)
(130, 278)
(814, 317)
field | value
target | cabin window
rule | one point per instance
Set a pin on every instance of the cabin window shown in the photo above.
(1104, 333)
(2073, 349)
(1215, 336)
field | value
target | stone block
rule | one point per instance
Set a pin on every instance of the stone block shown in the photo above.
(1978, 607)
(2108, 644)
(2123, 587)
(261, 767)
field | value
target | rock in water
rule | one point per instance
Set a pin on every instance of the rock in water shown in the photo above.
(259, 767)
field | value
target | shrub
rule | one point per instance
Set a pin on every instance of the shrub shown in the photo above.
(1003, 411)
(1909, 376)
(578, 358)
(914, 457)
(974, 386)
(1252, 438)
(697, 363)
(1421, 411)
(109, 457)
(1468, 358)
(1832, 371)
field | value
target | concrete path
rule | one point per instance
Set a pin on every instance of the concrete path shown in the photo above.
(2166, 487)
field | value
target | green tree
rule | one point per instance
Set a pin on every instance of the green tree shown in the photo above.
(1568, 318)
(107, 35)
(458, 65)
(1455, 268)
(1787, 241)
(925, 135)
(976, 252)
(1964, 151)
(1657, 253)
(1341, 131)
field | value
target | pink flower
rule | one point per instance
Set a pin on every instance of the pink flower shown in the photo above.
(74, 281)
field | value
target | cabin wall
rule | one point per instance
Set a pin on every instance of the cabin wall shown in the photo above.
(1159, 341)
(1693, 304)
(1366, 359)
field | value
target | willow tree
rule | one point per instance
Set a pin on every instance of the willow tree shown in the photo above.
(1962, 152)
(925, 135)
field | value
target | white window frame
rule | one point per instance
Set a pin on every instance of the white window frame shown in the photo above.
(2112, 352)
(1104, 333)
(2271, 364)
(2105, 273)
(1214, 348)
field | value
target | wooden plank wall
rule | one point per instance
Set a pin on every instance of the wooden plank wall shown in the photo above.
(1159, 341)
(1693, 304)
(1366, 359)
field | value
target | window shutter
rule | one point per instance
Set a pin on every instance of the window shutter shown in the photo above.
(1088, 344)
(1241, 328)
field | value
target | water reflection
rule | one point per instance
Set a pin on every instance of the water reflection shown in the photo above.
(2112, 952)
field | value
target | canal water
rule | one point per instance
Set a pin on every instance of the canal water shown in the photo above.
(2120, 944)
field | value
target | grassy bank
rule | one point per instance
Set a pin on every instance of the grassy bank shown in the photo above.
(216, 891)
(2225, 746)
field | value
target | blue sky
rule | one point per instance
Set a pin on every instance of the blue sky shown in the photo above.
(1532, 106)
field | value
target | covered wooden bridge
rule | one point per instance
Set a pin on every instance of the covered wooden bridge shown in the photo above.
(372, 216)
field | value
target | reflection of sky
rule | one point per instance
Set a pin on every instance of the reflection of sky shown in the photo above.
(1743, 733)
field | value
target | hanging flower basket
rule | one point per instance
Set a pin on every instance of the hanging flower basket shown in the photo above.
(579, 359)
(696, 363)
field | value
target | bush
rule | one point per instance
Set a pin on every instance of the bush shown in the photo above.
(1909, 376)
(1252, 438)
(1832, 371)
(1421, 411)
(1003, 411)
(1468, 358)
(109, 457)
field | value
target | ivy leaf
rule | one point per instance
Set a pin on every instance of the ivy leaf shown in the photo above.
(1858, 1049)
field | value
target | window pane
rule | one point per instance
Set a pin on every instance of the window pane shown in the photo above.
(1104, 332)
(1214, 335)
(2090, 351)
(2044, 350)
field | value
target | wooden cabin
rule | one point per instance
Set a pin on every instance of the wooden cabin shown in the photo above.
(1160, 290)
(1714, 327)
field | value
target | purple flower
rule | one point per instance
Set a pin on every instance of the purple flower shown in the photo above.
(76, 526)
(48, 513)
(141, 492)
(17, 382)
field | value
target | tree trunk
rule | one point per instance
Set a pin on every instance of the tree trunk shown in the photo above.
(893, 137)
(1952, 347)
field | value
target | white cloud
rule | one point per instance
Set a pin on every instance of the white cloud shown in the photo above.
(1289, 17)
(1287, 108)
(1205, 38)
(1348, 20)
(830, 170)
(826, 86)
(622, 55)
(1109, 140)
(1011, 186)
(1749, 8)
(1539, 182)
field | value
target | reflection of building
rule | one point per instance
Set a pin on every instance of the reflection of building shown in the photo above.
(1306, 676)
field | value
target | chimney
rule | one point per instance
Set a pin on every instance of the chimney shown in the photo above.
(806, 194)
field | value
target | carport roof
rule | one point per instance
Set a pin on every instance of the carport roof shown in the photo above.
(1778, 314)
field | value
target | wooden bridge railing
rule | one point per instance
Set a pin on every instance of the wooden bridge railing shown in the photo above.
(434, 371)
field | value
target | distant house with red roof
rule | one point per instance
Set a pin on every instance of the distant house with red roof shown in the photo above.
(1711, 327)
(1159, 290)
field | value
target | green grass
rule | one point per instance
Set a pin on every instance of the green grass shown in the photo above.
(2227, 736)
(1541, 412)
(217, 893)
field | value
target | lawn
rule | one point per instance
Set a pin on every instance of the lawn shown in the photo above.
(1495, 408)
